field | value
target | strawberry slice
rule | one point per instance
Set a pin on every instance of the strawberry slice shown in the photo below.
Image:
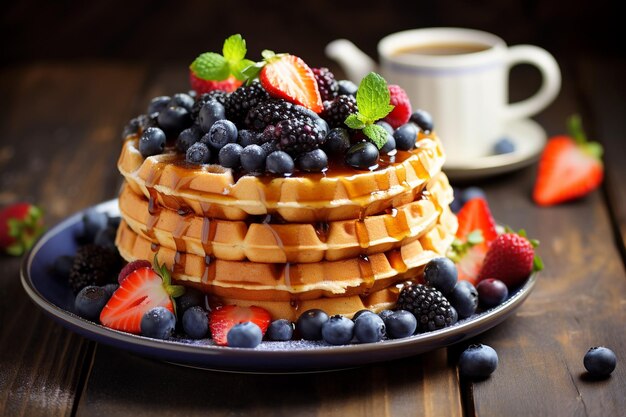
(142, 290)
(475, 215)
(223, 318)
(570, 167)
(470, 262)
(202, 86)
(289, 77)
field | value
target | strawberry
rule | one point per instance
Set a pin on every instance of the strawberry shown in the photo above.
(402, 107)
(570, 167)
(475, 215)
(469, 263)
(202, 86)
(20, 226)
(289, 77)
(510, 258)
(142, 290)
(223, 318)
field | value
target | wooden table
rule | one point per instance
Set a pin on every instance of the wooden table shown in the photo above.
(60, 137)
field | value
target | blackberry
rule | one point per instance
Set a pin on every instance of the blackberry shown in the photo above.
(297, 136)
(326, 83)
(429, 306)
(268, 113)
(241, 100)
(93, 265)
(337, 110)
(217, 95)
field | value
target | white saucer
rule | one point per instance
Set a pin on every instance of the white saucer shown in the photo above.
(529, 139)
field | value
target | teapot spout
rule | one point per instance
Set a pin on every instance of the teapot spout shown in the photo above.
(355, 63)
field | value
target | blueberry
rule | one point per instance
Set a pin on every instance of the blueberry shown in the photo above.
(110, 288)
(478, 361)
(106, 238)
(253, 158)
(133, 126)
(400, 324)
(269, 147)
(191, 297)
(313, 161)
(337, 141)
(182, 100)
(405, 136)
(221, 133)
(369, 328)
(385, 313)
(113, 221)
(174, 119)
(389, 146)
(244, 335)
(62, 266)
(279, 162)
(158, 103)
(338, 330)
(322, 125)
(464, 298)
(385, 126)
(158, 323)
(362, 155)
(280, 330)
(441, 273)
(503, 146)
(210, 112)
(93, 222)
(454, 316)
(491, 292)
(196, 322)
(230, 155)
(422, 119)
(90, 301)
(152, 142)
(346, 87)
(198, 153)
(247, 137)
(360, 313)
(309, 324)
(188, 137)
(472, 192)
(600, 361)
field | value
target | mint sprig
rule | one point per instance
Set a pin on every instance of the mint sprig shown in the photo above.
(215, 67)
(372, 99)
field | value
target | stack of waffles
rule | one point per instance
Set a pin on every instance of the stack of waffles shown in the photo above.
(340, 241)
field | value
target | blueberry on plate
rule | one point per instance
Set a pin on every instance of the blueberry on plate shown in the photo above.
(244, 335)
(188, 137)
(385, 313)
(280, 163)
(110, 288)
(369, 328)
(441, 274)
(90, 301)
(338, 330)
(360, 313)
(313, 161)
(93, 221)
(503, 146)
(253, 158)
(405, 136)
(210, 112)
(152, 142)
(280, 330)
(385, 126)
(464, 298)
(62, 266)
(389, 146)
(346, 87)
(198, 153)
(400, 324)
(182, 100)
(478, 361)
(230, 155)
(422, 119)
(174, 119)
(600, 361)
(247, 137)
(195, 322)
(158, 323)
(221, 133)
(191, 297)
(158, 103)
(362, 155)
(337, 141)
(309, 324)
(491, 292)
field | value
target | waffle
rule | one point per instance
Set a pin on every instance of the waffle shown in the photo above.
(213, 191)
(289, 242)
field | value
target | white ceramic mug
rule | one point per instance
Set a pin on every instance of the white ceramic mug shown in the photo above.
(467, 94)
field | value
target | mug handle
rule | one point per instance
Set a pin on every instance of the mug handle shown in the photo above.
(551, 84)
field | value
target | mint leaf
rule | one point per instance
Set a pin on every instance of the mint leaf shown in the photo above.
(372, 97)
(376, 134)
(238, 68)
(210, 66)
(234, 49)
(353, 122)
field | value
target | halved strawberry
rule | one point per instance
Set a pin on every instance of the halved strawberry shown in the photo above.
(142, 290)
(223, 318)
(289, 77)
(469, 264)
(202, 86)
(475, 215)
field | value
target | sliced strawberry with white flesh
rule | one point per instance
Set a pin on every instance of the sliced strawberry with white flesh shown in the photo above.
(223, 318)
(475, 215)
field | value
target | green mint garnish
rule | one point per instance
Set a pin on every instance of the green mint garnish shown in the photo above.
(216, 67)
(372, 99)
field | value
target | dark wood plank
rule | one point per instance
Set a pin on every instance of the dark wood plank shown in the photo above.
(60, 130)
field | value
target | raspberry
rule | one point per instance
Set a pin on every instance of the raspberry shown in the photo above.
(326, 83)
(297, 136)
(402, 110)
(337, 110)
(242, 100)
(217, 95)
(93, 265)
(430, 307)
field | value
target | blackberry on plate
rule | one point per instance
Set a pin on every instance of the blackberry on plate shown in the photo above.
(337, 110)
(243, 99)
(93, 265)
(215, 95)
(326, 83)
(429, 306)
(268, 113)
(297, 136)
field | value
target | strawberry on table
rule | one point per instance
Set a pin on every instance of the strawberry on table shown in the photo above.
(225, 317)
(20, 226)
(142, 290)
(570, 167)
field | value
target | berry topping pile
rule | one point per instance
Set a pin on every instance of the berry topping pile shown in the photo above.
(278, 116)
